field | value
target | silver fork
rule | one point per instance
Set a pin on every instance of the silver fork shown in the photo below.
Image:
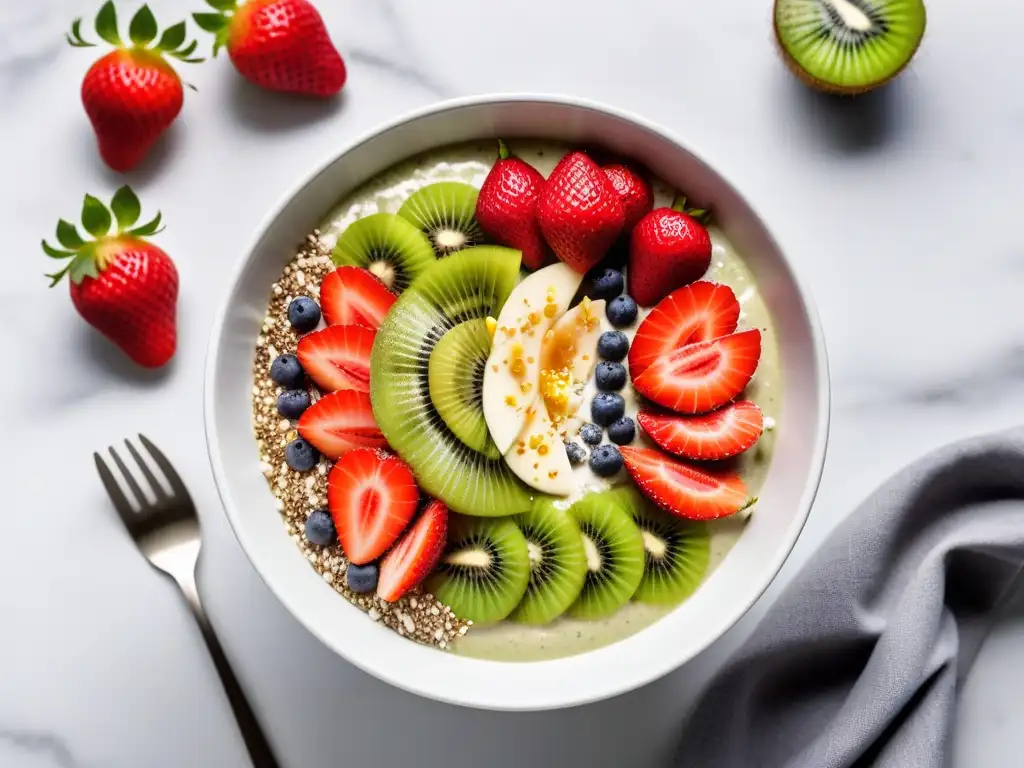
(167, 533)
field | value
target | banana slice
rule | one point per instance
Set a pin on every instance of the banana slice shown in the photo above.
(538, 455)
(512, 374)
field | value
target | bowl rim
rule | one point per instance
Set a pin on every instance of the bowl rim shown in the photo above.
(371, 664)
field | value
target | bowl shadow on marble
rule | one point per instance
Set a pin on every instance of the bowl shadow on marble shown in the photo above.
(850, 124)
(270, 112)
(640, 727)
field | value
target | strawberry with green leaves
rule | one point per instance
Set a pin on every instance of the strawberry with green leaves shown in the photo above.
(132, 95)
(121, 284)
(280, 45)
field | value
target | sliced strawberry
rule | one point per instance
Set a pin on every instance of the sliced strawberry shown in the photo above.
(729, 431)
(697, 312)
(353, 296)
(372, 497)
(339, 422)
(338, 357)
(683, 490)
(701, 377)
(416, 553)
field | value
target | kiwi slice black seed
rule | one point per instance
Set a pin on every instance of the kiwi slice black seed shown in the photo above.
(455, 377)
(676, 551)
(848, 46)
(484, 570)
(471, 284)
(445, 213)
(614, 550)
(558, 563)
(389, 246)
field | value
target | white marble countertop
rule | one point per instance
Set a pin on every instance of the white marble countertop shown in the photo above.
(901, 209)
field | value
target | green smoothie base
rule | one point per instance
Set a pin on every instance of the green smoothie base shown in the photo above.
(508, 641)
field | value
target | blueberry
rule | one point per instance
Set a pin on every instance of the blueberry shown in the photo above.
(622, 431)
(607, 407)
(613, 345)
(610, 376)
(605, 460)
(608, 284)
(361, 578)
(577, 453)
(292, 403)
(591, 433)
(621, 311)
(320, 528)
(287, 371)
(303, 314)
(300, 455)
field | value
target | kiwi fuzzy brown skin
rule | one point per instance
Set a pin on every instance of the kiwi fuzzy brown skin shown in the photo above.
(831, 88)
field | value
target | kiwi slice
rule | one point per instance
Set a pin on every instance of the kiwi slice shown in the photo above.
(387, 245)
(445, 213)
(558, 563)
(614, 551)
(484, 570)
(676, 551)
(455, 377)
(848, 46)
(471, 284)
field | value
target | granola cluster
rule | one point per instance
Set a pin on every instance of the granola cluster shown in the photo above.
(418, 616)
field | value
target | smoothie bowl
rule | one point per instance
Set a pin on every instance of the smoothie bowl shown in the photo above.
(516, 404)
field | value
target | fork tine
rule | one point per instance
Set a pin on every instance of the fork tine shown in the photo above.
(177, 486)
(158, 489)
(121, 503)
(128, 478)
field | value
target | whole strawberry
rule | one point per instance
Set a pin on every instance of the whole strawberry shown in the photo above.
(122, 285)
(280, 45)
(507, 206)
(669, 248)
(132, 95)
(579, 212)
(635, 192)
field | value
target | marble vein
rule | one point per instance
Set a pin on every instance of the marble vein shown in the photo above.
(30, 40)
(414, 72)
(997, 376)
(40, 744)
(407, 74)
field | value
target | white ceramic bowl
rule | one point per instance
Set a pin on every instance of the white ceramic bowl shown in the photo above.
(746, 572)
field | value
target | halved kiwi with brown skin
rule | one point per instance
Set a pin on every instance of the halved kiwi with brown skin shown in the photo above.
(848, 46)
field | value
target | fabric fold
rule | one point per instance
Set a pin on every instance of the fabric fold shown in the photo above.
(859, 662)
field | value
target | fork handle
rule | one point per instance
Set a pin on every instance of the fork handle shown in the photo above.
(256, 743)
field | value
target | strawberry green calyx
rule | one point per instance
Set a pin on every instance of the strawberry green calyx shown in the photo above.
(700, 214)
(142, 34)
(87, 258)
(218, 22)
(503, 153)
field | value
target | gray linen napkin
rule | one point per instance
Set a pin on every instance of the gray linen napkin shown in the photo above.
(860, 661)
